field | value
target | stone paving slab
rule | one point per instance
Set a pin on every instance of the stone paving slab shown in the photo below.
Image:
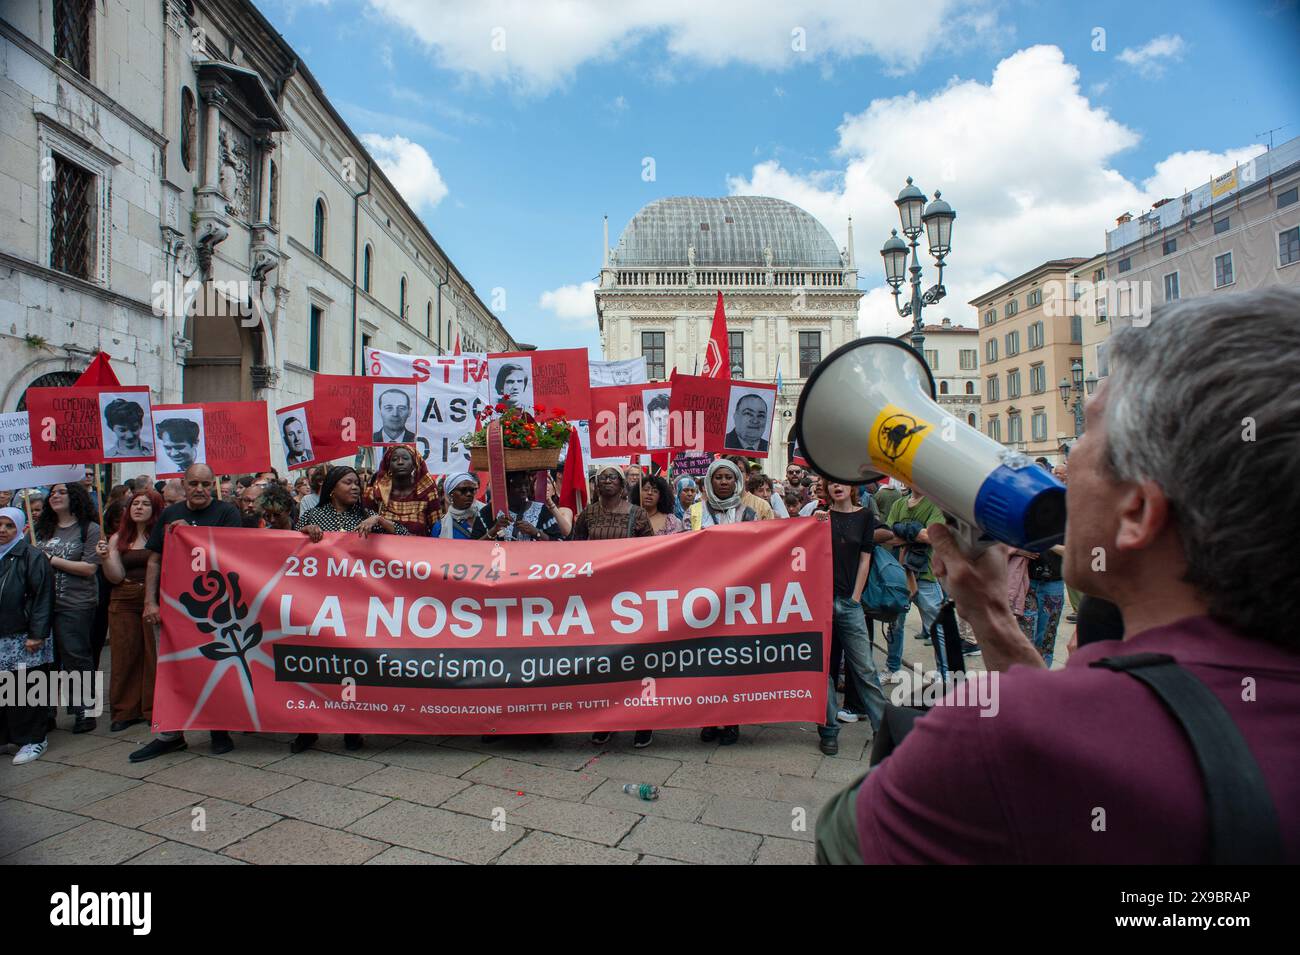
(430, 759)
(632, 767)
(14, 777)
(784, 757)
(564, 751)
(24, 823)
(224, 780)
(400, 855)
(684, 804)
(325, 767)
(71, 787)
(140, 805)
(294, 842)
(222, 823)
(724, 780)
(539, 780)
(691, 842)
(93, 843)
(775, 851)
(437, 831)
(322, 804)
(806, 792)
(113, 758)
(573, 819)
(543, 848)
(427, 789)
(762, 816)
(64, 744)
(176, 853)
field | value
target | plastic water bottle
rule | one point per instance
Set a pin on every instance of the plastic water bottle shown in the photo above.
(647, 791)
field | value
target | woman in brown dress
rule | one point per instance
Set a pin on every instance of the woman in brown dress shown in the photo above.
(612, 516)
(135, 652)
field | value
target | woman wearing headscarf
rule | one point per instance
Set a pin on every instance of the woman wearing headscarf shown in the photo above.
(687, 490)
(135, 650)
(341, 510)
(722, 497)
(612, 516)
(68, 534)
(26, 602)
(721, 505)
(404, 491)
(463, 519)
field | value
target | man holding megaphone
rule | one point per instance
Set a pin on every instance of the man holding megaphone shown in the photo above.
(1178, 743)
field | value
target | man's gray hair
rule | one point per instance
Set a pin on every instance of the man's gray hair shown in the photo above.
(1205, 402)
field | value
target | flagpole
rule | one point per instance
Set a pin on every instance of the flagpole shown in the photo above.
(27, 505)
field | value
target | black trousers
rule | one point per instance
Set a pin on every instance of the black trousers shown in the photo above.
(21, 725)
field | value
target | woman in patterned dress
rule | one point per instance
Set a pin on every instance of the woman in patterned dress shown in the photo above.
(404, 491)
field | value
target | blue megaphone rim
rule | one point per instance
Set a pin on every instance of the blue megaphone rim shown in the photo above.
(826, 363)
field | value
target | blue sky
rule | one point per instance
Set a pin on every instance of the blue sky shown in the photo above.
(513, 127)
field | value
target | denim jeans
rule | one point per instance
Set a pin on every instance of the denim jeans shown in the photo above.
(1043, 605)
(929, 595)
(850, 629)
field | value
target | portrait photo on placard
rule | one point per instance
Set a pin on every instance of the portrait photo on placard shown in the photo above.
(655, 402)
(295, 431)
(179, 433)
(393, 410)
(512, 381)
(749, 419)
(124, 424)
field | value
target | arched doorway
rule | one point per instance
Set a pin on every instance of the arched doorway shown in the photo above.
(220, 364)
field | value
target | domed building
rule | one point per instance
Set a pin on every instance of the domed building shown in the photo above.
(790, 293)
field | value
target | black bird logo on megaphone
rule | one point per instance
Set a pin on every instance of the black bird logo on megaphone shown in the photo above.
(869, 410)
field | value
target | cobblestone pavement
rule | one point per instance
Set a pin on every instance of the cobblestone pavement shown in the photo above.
(431, 800)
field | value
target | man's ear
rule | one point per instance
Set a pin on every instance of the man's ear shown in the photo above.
(1144, 516)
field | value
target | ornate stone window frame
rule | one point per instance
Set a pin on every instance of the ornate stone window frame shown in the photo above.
(52, 137)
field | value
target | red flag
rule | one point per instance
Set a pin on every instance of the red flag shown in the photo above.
(99, 372)
(573, 486)
(717, 354)
(456, 350)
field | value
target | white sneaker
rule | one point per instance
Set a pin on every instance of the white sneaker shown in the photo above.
(844, 716)
(31, 752)
(892, 676)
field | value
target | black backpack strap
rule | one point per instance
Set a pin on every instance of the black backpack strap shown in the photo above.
(1244, 828)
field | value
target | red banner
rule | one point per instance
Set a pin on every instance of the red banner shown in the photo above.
(737, 415)
(265, 631)
(620, 424)
(228, 436)
(549, 379)
(90, 425)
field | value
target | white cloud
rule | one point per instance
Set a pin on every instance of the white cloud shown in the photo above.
(573, 305)
(1151, 58)
(538, 46)
(409, 167)
(1025, 159)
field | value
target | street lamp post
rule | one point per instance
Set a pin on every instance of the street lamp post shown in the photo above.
(1077, 385)
(936, 220)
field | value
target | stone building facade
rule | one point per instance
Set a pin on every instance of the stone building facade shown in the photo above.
(179, 193)
(790, 293)
(952, 352)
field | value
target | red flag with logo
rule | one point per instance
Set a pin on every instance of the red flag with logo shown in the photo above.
(717, 354)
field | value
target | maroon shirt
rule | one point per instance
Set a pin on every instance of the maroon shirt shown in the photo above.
(1024, 785)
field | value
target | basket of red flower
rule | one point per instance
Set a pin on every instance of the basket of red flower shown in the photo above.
(532, 441)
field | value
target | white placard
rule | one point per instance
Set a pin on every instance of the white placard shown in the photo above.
(16, 470)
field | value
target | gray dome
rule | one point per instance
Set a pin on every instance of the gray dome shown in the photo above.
(731, 231)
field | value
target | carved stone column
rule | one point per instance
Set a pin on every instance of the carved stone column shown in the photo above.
(211, 224)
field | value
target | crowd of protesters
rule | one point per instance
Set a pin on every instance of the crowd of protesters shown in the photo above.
(95, 571)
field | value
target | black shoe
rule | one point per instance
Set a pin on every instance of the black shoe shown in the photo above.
(830, 745)
(302, 742)
(710, 733)
(221, 743)
(84, 724)
(600, 739)
(118, 725)
(353, 741)
(643, 738)
(969, 649)
(157, 747)
(730, 734)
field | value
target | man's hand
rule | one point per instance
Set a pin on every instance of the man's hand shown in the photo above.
(151, 614)
(979, 588)
(33, 645)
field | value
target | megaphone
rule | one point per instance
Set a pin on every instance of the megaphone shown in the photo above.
(868, 410)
